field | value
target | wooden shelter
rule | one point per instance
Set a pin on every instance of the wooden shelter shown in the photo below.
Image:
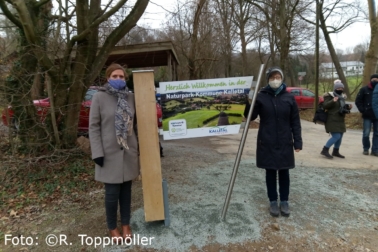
(152, 54)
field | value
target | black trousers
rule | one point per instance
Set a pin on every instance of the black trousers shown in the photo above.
(114, 194)
(283, 181)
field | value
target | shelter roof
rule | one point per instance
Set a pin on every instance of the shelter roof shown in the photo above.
(143, 55)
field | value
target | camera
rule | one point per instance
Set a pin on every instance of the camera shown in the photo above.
(345, 109)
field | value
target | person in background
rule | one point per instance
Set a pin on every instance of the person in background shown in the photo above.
(334, 103)
(375, 101)
(364, 103)
(278, 136)
(114, 146)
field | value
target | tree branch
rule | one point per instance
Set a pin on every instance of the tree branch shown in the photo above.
(26, 20)
(9, 15)
(99, 20)
(42, 2)
(119, 32)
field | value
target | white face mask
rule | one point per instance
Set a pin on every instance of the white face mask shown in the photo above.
(275, 83)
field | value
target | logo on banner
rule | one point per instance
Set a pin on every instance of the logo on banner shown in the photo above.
(177, 127)
(218, 130)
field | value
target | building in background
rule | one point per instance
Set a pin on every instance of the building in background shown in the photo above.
(350, 68)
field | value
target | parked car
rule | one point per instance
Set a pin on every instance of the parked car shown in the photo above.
(43, 106)
(305, 98)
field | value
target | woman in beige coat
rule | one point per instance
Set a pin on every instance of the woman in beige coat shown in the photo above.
(114, 146)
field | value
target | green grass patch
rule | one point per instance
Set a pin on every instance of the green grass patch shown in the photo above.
(354, 85)
(193, 119)
(171, 104)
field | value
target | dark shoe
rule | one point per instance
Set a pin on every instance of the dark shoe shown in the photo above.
(374, 154)
(116, 236)
(274, 211)
(325, 152)
(336, 153)
(284, 207)
(366, 152)
(126, 233)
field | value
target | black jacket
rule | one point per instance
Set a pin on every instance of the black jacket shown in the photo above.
(364, 102)
(279, 131)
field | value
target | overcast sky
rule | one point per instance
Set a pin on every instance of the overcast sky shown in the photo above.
(356, 34)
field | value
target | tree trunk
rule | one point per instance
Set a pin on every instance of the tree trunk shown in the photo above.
(333, 54)
(33, 136)
(371, 56)
(37, 88)
(284, 36)
(69, 80)
(244, 50)
(194, 41)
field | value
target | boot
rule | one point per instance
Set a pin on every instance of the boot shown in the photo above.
(274, 211)
(116, 236)
(284, 207)
(326, 153)
(336, 153)
(126, 233)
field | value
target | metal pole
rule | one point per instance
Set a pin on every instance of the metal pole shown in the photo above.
(241, 146)
(317, 56)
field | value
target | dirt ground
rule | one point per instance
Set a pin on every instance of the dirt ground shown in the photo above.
(334, 203)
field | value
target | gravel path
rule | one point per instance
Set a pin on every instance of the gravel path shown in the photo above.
(334, 202)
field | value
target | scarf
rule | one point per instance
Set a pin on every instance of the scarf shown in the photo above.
(123, 117)
(278, 90)
(341, 101)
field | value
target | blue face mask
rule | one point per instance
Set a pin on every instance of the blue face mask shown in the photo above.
(117, 83)
(374, 83)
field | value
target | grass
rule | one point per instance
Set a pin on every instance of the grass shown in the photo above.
(193, 118)
(354, 84)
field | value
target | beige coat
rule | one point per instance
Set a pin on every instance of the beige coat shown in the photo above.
(120, 165)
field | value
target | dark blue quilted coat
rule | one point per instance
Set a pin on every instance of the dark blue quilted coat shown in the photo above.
(279, 131)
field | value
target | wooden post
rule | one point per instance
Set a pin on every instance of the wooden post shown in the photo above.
(148, 138)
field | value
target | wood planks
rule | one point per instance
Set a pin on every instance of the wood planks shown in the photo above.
(148, 138)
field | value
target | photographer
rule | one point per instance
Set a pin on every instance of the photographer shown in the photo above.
(334, 103)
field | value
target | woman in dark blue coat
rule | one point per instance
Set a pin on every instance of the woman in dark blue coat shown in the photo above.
(278, 136)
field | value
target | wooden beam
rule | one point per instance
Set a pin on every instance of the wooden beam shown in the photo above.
(169, 66)
(148, 138)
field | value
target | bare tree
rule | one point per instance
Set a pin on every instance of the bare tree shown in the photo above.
(226, 31)
(249, 28)
(283, 30)
(191, 28)
(194, 41)
(334, 17)
(70, 76)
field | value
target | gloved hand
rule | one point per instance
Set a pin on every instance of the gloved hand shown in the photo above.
(99, 161)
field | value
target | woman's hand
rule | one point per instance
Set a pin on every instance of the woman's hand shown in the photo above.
(297, 150)
(335, 99)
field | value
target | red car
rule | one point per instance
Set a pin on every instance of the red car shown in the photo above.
(305, 98)
(43, 106)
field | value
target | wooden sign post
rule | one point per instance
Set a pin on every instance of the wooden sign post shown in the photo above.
(148, 138)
